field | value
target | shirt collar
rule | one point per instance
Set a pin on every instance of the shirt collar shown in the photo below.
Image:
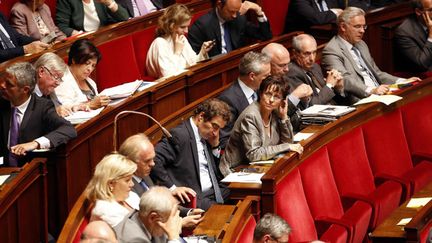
(37, 91)
(137, 178)
(195, 129)
(221, 20)
(346, 43)
(23, 107)
(246, 89)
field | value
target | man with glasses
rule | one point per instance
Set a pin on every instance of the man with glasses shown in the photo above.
(191, 157)
(28, 122)
(349, 54)
(271, 228)
(414, 39)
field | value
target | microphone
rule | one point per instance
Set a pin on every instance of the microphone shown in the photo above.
(164, 130)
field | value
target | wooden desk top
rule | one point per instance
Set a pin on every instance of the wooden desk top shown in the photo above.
(389, 228)
(214, 220)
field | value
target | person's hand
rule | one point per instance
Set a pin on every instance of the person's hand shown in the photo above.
(283, 110)
(207, 46)
(380, 90)
(179, 43)
(81, 107)
(76, 32)
(214, 140)
(182, 193)
(246, 6)
(191, 221)
(21, 149)
(111, 4)
(428, 22)
(35, 47)
(63, 111)
(296, 148)
(99, 101)
(302, 91)
(413, 79)
(172, 226)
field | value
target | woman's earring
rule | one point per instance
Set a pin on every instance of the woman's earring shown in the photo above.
(111, 188)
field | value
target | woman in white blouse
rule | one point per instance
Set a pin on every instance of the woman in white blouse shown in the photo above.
(170, 53)
(110, 189)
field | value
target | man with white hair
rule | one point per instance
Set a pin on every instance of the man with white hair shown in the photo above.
(98, 232)
(271, 228)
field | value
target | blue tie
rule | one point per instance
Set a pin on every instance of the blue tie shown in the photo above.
(144, 185)
(227, 38)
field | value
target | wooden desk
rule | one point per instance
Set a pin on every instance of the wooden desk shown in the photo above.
(389, 231)
(23, 204)
(214, 220)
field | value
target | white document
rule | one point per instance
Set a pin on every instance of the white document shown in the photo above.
(404, 221)
(301, 136)
(3, 178)
(123, 90)
(386, 99)
(83, 116)
(244, 177)
(418, 202)
(327, 110)
(145, 84)
(262, 162)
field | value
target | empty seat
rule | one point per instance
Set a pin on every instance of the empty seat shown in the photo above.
(276, 15)
(142, 41)
(354, 178)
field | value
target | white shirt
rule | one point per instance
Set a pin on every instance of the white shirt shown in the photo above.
(247, 91)
(91, 19)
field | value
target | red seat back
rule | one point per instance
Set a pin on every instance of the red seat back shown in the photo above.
(52, 4)
(246, 234)
(141, 42)
(80, 230)
(6, 6)
(276, 14)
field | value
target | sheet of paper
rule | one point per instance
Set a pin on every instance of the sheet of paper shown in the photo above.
(327, 110)
(243, 177)
(302, 136)
(386, 99)
(3, 178)
(83, 116)
(122, 91)
(404, 221)
(262, 162)
(418, 202)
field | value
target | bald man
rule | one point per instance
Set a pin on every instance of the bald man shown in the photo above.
(98, 231)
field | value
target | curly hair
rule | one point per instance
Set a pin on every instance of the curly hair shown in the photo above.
(212, 108)
(173, 15)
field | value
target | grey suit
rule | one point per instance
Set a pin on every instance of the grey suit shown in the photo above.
(413, 47)
(249, 142)
(336, 55)
(132, 230)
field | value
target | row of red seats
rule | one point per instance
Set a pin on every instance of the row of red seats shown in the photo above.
(348, 187)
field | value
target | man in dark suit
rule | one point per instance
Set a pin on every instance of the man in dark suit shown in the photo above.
(413, 39)
(302, 14)
(253, 69)
(140, 150)
(227, 25)
(191, 157)
(304, 70)
(28, 122)
(134, 6)
(14, 44)
(157, 220)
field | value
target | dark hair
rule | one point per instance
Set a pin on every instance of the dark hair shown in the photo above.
(83, 50)
(280, 84)
(417, 4)
(212, 108)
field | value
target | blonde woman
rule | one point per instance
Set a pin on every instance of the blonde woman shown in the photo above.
(110, 189)
(170, 53)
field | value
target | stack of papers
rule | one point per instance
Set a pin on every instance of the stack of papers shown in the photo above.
(386, 99)
(83, 116)
(123, 90)
(321, 114)
(243, 177)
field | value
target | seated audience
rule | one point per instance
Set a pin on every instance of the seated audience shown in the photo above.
(33, 18)
(349, 54)
(253, 68)
(262, 130)
(98, 231)
(75, 16)
(136, 8)
(170, 53)
(14, 44)
(110, 189)
(302, 14)
(228, 26)
(271, 228)
(156, 221)
(299, 97)
(304, 70)
(191, 157)
(28, 122)
(413, 39)
(78, 90)
(140, 150)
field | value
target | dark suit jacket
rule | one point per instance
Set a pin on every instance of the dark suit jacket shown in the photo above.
(412, 46)
(207, 28)
(304, 13)
(17, 39)
(70, 15)
(176, 163)
(40, 119)
(237, 101)
(127, 4)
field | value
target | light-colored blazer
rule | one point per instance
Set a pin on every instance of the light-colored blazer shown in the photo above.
(249, 142)
(21, 18)
(336, 55)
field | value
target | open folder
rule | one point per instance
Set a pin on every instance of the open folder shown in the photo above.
(123, 90)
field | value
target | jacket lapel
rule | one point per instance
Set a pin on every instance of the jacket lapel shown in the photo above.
(27, 114)
(193, 147)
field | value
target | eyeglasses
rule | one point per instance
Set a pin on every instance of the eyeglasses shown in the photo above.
(56, 78)
(269, 95)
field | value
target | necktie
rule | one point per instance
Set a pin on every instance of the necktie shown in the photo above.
(144, 185)
(7, 43)
(364, 65)
(218, 194)
(315, 83)
(141, 7)
(13, 136)
(321, 6)
(227, 38)
(254, 96)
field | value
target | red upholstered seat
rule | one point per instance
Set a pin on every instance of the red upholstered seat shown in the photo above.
(354, 178)
(292, 206)
(276, 15)
(246, 234)
(6, 6)
(81, 228)
(388, 153)
(118, 64)
(141, 42)
(324, 200)
(52, 4)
